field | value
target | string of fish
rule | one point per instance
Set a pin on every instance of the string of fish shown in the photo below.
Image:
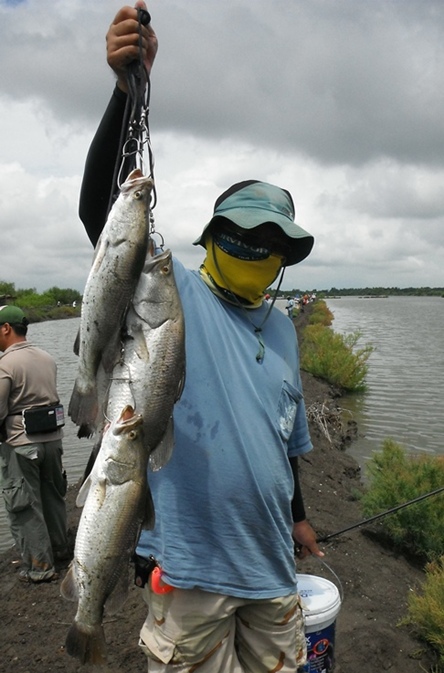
(136, 143)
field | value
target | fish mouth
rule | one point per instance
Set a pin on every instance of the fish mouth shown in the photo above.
(153, 260)
(128, 420)
(136, 178)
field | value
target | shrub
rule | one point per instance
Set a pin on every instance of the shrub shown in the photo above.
(320, 314)
(426, 610)
(397, 477)
(334, 357)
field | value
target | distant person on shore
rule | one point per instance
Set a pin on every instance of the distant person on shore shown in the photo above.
(289, 306)
(31, 474)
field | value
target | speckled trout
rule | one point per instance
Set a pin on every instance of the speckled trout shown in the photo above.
(118, 261)
(153, 357)
(116, 503)
(145, 383)
(151, 371)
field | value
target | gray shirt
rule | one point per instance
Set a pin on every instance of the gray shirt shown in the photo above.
(28, 378)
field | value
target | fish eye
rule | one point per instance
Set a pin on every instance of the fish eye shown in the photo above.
(138, 194)
(132, 434)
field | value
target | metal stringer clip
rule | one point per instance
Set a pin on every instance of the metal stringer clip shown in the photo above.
(137, 143)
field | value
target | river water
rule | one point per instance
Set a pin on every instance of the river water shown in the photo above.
(405, 396)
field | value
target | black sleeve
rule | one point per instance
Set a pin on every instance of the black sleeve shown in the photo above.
(98, 184)
(297, 504)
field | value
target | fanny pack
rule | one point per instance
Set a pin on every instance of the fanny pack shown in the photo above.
(43, 419)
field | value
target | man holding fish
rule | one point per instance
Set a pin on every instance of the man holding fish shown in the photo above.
(228, 506)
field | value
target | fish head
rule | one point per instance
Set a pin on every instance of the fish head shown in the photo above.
(161, 264)
(138, 183)
(122, 453)
(127, 423)
(130, 212)
(137, 190)
(156, 298)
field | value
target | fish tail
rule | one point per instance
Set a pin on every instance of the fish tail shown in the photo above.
(86, 430)
(86, 643)
(83, 409)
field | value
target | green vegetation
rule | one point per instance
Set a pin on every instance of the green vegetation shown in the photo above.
(53, 304)
(320, 314)
(330, 356)
(395, 478)
(426, 610)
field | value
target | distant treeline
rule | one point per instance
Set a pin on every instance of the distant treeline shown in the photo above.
(370, 292)
(53, 304)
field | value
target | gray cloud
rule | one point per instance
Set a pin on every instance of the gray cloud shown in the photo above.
(344, 82)
(341, 102)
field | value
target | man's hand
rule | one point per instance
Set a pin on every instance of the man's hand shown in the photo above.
(305, 537)
(122, 43)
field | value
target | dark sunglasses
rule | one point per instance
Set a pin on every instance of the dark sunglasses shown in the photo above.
(260, 244)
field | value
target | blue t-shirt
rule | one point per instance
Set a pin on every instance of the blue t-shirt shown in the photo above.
(223, 502)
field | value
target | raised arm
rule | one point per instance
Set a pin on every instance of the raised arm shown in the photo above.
(98, 184)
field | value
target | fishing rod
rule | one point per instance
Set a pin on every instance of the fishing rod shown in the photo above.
(324, 538)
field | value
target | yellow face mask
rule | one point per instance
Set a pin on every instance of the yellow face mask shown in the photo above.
(245, 278)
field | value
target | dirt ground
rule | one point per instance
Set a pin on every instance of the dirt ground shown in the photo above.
(375, 580)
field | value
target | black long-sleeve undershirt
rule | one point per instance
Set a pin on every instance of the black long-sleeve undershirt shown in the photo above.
(98, 183)
(297, 504)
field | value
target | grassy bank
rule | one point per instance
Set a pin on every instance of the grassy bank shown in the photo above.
(336, 358)
(395, 477)
(40, 314)
(416, 530)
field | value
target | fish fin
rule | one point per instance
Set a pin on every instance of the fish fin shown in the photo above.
(148, 519)
(92, 458)
(90, 463)
(83, 492)
(164, 450)
(119, 594)
(83, 409)
(76, 347)
(100, 487)
(87, 643)
(69, 588)
(86, 430)
(180, 387)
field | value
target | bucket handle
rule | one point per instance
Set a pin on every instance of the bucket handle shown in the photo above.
(330, 569)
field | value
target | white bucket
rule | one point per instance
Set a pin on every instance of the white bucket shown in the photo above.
(321, 603)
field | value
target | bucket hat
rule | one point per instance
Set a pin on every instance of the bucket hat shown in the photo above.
(251, 203)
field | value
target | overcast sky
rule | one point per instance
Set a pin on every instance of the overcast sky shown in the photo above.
(339, 101)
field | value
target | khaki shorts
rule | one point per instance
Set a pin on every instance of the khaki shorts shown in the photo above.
(193, 630)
